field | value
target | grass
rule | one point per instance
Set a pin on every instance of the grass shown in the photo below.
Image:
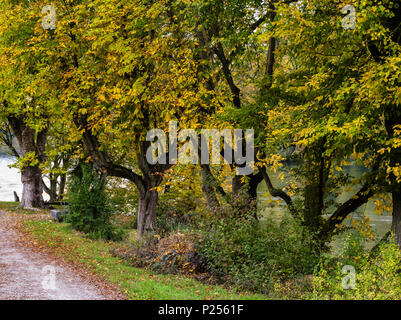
(14, 207)
(136, 283)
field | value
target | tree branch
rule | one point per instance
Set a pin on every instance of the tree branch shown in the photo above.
(360, 198)
(101, 158)
(274, 192)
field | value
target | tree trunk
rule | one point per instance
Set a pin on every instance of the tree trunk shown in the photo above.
(32, 142)
(53, 187)
(254, 182)
(237, 184)
(32, 191)
(395, 158)
(396, 225)
(63, 180)
(52, 190)
(393, 118)
(147, 212)
(151, 175)
(207, 188)
(392, 114)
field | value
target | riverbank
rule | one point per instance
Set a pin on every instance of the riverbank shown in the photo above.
(31, 234)
(94, 257)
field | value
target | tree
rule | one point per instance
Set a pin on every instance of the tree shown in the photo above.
(226, 34)
(32, 146)
(332, 95)
(25, 102)
(122, 69)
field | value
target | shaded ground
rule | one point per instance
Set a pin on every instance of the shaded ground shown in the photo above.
(28, 273)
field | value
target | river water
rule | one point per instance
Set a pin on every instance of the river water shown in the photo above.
(380, 224)
(10, 179)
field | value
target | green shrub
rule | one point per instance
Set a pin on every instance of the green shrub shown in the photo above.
(376, 277)
(88, 205)
(255, 255)
(124, 198)
(173, 215)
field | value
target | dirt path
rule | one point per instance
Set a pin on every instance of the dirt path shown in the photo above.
(27, 274)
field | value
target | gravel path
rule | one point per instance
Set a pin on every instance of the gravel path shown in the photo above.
(27, 274)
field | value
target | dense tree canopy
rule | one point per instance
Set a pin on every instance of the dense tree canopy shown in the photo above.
(319, 86)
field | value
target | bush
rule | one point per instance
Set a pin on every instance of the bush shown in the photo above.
(172, 216)
(124, 198)
(253, 255)
(376, 277)
(89, 208)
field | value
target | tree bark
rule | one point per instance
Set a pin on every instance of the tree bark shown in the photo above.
(146, 183)
(52, 190)
(396, 224)
(208, 189)
(274, 192)
(391, 113)
(147, 212)
(61, 191)
(357, 200)
(393, 118)
(32, 190)
(34, 142)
